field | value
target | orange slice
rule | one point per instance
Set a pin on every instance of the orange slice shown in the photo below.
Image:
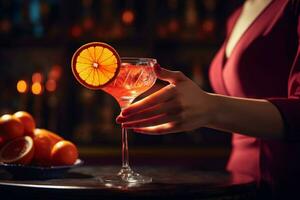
(95, 64)
(18, 151)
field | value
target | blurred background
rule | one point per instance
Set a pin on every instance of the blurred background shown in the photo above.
(38, 38)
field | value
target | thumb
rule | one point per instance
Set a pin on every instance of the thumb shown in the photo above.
(168, 75)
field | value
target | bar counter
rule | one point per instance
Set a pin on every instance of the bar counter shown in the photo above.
(169, 182)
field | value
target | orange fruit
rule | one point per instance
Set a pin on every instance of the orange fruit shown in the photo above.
(44, 141)
(64, 153)
(10, 127)
(95, 64)
(18, 151)
(27, 121)
(43, 145)
(53, 136)
(2, 141)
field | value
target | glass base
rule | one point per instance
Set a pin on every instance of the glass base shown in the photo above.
(125, 177)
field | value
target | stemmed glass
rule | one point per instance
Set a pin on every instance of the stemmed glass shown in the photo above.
(136, 76)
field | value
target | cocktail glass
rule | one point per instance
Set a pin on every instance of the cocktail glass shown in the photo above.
(136, 76)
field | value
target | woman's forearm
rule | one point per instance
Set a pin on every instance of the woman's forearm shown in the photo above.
(252, 117)
(183, 106)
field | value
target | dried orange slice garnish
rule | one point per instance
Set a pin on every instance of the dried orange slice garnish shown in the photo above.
(95, 64)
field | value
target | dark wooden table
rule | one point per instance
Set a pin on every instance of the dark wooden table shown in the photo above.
(168, 183)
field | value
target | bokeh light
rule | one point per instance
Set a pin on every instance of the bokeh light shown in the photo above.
(208, 26)
(128, 17)
(5, 25)
(22, 86)
(76, 31)
(173, 26)
(37, 77)
(88, 23)
(51, 85)
(36, 88)
(55, 72)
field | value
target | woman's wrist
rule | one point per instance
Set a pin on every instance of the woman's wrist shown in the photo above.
(221, 115)
(215, 111)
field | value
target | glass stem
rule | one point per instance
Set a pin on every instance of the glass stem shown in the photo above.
(125, 155)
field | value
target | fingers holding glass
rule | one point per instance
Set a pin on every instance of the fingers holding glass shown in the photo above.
(162, 95)
(162, 129)
(170, 107)
(153, 121)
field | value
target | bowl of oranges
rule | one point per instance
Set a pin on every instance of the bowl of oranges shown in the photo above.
(28, 152)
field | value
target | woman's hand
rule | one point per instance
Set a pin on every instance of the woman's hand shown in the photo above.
(183, 106)
(179, 106)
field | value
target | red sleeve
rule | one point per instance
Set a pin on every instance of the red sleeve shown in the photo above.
(290, 107)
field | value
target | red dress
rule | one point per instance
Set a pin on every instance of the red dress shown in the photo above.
(265, 64)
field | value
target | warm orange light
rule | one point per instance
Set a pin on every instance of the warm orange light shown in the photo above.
(55, 72)
(208, 26)
(88, 24)
(37, 77)
(76, 31)
(22, 86)
(128, 16)
(51, 85)
(36, 88)
(162, 31)
(173, 26)
(6, 117)
(163, 126)
(5, 25)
